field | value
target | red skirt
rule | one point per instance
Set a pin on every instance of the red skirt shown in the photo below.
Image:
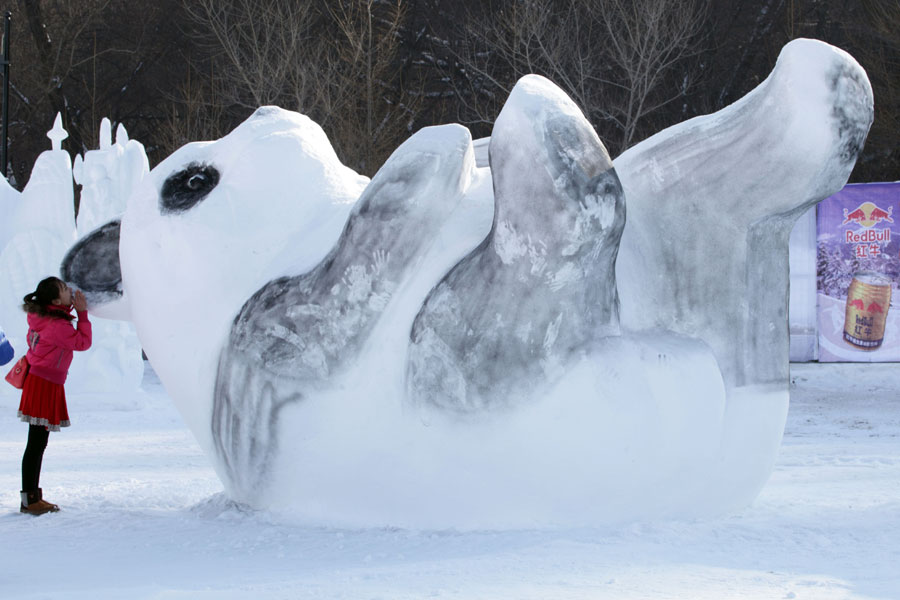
(43, 403)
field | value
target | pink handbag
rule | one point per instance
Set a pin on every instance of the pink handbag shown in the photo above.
(16, 375)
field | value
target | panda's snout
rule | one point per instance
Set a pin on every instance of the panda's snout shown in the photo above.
(92, 264)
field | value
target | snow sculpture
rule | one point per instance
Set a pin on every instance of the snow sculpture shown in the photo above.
(42, 227)
(711, 205)
(706, 247)
(57, 134)
(455, 357)
(38, 226)
(212, 224)
(46, 203)
(296, 335)
(558, 216)
(107, 176)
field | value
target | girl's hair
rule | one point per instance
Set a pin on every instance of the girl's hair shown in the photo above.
(39, 301)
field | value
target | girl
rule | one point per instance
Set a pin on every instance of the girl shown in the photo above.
(51, 340)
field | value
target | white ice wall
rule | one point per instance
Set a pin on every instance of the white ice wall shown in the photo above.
(802, 309)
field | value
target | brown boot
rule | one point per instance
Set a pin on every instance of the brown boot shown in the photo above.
(40, 497)
(33, 504)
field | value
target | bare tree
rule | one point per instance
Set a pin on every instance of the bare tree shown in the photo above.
(877, 47)
(57, 59)
(263, 47)
(195, 113)
(87, 60)
(616, 58)
(501, 45)
(366, 57)
(372, 71)
(336, 62)
(645, 41)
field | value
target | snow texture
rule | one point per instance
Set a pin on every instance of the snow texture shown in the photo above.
(210, 226)
(539, 292)
(107, 177)
(144, 517)
(297, 335)
(712, 202)
(711, 205)
(281, 321)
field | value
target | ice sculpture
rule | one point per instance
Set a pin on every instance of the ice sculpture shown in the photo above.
(450, 355)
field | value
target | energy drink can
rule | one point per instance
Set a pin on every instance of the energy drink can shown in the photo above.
(868, 301)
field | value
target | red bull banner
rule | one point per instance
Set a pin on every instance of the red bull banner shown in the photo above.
(858, 273)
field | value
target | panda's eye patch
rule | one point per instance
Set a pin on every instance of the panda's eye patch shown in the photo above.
(187, 187)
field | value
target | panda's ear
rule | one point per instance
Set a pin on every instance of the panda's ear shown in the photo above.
(92, 265)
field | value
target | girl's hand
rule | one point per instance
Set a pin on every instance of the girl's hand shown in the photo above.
(80, 302)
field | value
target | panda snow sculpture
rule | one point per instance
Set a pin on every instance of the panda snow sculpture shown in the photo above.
(461, 346)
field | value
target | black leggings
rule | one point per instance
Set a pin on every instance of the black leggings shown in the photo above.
(31, 460)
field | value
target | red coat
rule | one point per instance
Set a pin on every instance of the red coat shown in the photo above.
(51, 342)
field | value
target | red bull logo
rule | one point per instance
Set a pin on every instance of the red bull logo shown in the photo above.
(867, 236)
(868, 215)
(858, 304)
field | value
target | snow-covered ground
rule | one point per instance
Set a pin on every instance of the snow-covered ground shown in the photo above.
(142, 517)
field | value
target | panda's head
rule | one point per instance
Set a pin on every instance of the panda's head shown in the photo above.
(216, 220)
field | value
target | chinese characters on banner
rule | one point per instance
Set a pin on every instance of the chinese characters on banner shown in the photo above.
(858, 272)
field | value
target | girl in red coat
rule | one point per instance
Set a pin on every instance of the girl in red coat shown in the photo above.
(51, 341)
